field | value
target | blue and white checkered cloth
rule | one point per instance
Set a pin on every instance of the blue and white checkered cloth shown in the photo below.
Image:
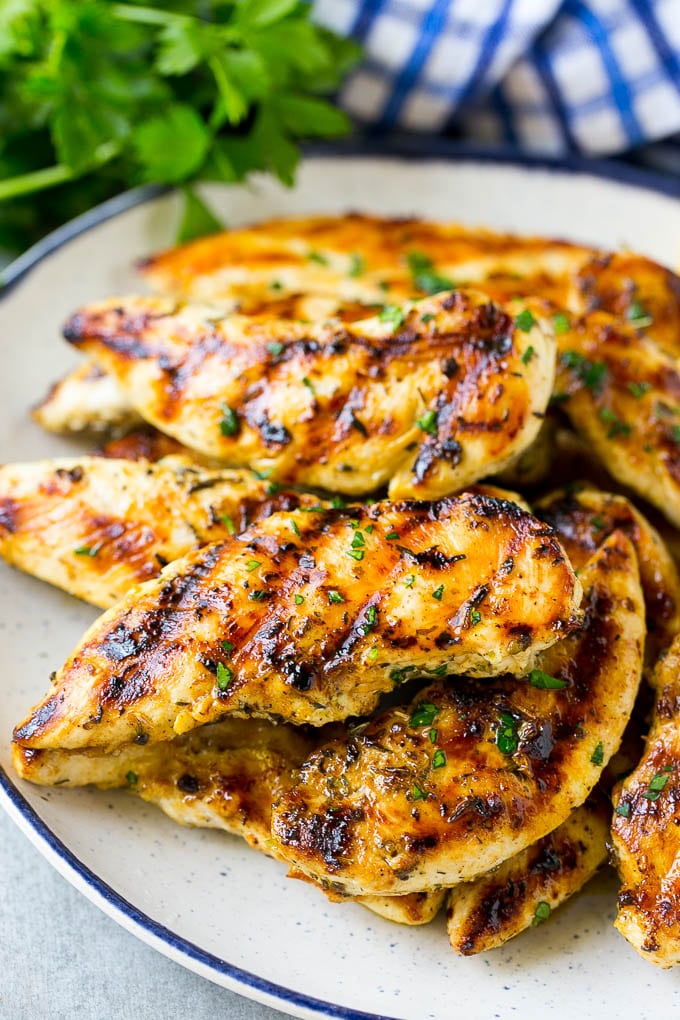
(590, 76)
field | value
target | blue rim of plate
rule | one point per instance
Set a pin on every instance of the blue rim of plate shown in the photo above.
(120, 909)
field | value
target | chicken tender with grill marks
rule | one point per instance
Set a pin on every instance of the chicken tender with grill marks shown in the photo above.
(310, 616)
(426, 399)
(355, 257)
(633, 289)
(96, 527)
(621, 393)
(645, 834)
(583, 517)
(223, 776)
(474, 771)
(524, 890)
(88, 399)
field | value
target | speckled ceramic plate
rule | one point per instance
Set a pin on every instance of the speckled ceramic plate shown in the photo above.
(203, 898)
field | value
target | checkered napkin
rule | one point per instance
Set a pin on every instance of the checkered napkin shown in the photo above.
(596, 77)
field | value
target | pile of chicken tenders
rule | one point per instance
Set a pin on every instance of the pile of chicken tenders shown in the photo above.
(375, 517)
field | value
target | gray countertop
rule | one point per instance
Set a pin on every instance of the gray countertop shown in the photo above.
(61, 957)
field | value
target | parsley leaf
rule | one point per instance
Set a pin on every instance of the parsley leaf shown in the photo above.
(545, 682)
(393, 315)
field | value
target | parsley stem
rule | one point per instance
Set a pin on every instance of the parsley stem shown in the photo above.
(39, 180)
(36, 180)
(147, 15)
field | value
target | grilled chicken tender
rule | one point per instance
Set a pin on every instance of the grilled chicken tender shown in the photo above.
(222, 776)
(96, 527)
(88, 399)
(523, 891)
(310, 616)
(474, 771)
(621, 393)
(646, 829)
(356, 257)
(583, 517)
(427, 401)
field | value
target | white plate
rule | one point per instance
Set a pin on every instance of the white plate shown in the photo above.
(202, 898)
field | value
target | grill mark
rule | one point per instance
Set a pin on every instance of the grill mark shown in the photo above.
(39, 720)
(329, 836)
(9, 515)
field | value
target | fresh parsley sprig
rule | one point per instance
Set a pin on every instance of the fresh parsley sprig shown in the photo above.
(98, 96)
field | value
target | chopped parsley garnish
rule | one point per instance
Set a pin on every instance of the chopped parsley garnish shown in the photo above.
(357, 265)
(418, 793)
(433, 734)
(275, 285)
(525, 320)
(616, 426)
(638, 315)
(638, 389)
(338, 503)
(87, 550)
(400, 676)
(598, 522)
(656, 784)
(294, 526)
(370, 620)
(438, 592)
(273, 488)
(262, 476)
(427, 317)
(358, 540)
(335, 596)
(541, 913)
(275, 349)
(591, 373)
(475, 617)
(428, 422)
(316, 509)
(528, 355)
(316, 256)
(369, 529)
(410, 581)
(424, 275)
(298, 599)
(131, 778)
(306, 381)
(675, 433)
(253, 565)
(372, 655)
(545, 682)
(229, 423)
(258, 595)
(623, 809)
(228, 522)
(224, 676)
(424, 714)
(228, 646)
(438, 759)
(356, 554)
(597, 757)
(507, 740)
(561, 323)
(391, 535)
(393, 315)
